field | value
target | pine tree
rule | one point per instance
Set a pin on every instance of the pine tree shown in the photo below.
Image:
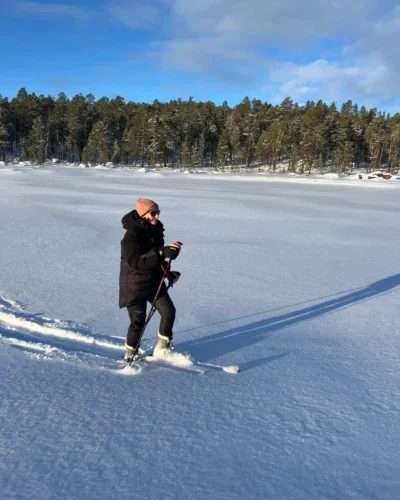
(313, 142)
(25, 108)
(184, 154)
(59, 125)
(4, 135)
(116, 156)
(211, 129)
(294, 157)
(224, 149)
(23, 149)
(86, 156)
(311, 147)
(153, 147)
(394, 143)
(46, 106)
(163, 135)
(79, 117)
(292, 142)
(200, 149)
(37, 141)
(343, 156)
(377, 139)
(124, 145)
(271, 142)
(338, 141)
(232, 137)
(360, 124)
(99, 143)
(137, 142)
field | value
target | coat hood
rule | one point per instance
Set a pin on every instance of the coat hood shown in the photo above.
(132, 222)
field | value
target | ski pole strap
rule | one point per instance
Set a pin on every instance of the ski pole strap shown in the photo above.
(166, 269)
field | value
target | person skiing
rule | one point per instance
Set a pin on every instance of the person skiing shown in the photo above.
(143, 265)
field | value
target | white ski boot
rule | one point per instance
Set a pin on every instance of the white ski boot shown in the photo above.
(130, 353)
(163, 346)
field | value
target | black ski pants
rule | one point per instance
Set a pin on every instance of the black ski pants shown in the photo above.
(137, 315)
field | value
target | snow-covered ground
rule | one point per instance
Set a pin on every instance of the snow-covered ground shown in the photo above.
(380, 177)
(297, 282)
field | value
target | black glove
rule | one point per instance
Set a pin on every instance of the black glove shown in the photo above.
(172, 251)
(173, 277)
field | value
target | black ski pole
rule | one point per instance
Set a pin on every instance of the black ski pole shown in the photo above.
(153, 307)
(171, 282)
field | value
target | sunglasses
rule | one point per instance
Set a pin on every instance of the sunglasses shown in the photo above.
(153, 213)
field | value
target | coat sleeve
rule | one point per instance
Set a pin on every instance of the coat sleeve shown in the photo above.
(139, 262)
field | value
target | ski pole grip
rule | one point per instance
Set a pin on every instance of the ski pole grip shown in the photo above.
(178, 244)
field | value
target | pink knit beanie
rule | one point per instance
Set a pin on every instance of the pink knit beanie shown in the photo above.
(144, 206)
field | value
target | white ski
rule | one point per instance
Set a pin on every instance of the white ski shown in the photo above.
(179, 361)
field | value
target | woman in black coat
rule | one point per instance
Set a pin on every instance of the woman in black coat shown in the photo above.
(142, 256)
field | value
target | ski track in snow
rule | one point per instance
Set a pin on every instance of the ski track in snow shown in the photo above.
(43, 338)
(46, 339)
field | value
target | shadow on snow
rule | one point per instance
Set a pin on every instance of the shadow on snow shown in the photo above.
(221, 343)
(203, 348)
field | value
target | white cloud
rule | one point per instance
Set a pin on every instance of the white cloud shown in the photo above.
(369, 84)
(271, 20)
(317, 78)
(205, 56)
(367, 71)
(350, 49)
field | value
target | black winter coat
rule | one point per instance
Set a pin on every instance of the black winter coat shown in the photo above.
(140, 271)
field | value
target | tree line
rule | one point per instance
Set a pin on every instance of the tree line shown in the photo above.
(189, 134)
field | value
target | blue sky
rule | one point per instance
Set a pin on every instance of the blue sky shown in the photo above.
(213, 50)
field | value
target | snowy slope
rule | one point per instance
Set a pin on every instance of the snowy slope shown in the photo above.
(296, 282)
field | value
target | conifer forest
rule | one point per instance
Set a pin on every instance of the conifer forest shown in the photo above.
(189, 134)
